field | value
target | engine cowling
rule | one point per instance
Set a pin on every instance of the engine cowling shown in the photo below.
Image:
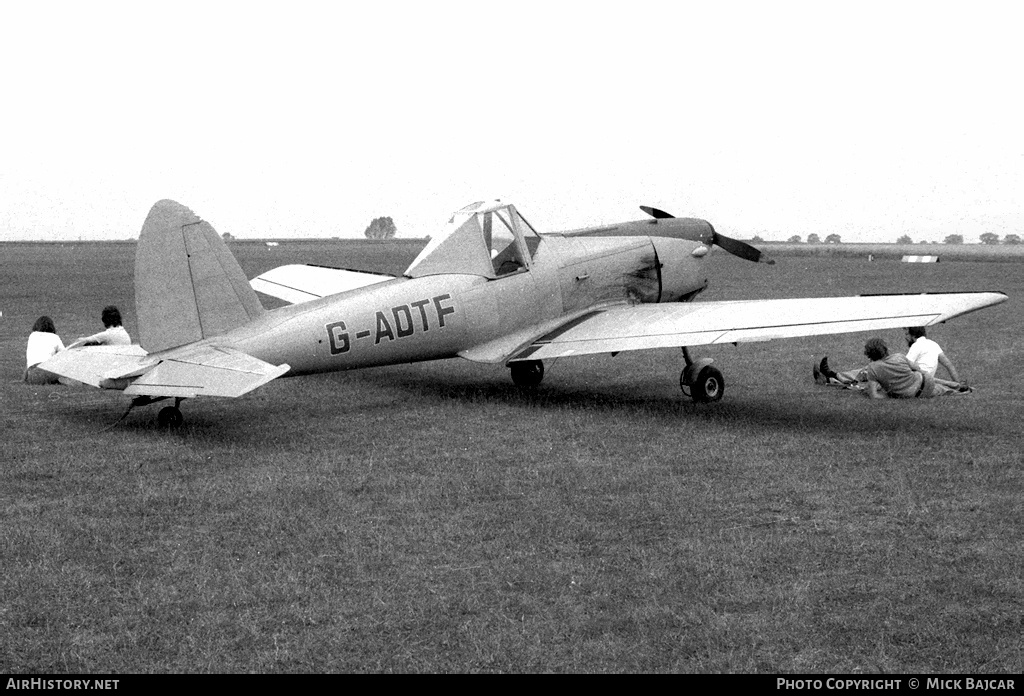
(681, 265)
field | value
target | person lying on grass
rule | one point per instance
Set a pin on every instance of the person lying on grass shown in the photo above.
(892, 375)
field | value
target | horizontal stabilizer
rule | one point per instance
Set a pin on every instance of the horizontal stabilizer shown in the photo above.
(297, 283)
(636, 327)
(98, 366)
(205, 371)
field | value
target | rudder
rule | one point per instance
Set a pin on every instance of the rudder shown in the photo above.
(188, 286)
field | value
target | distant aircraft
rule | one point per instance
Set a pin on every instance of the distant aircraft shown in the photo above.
(489, 289)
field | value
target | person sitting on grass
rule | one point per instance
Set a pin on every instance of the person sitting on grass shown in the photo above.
(113, 335)
(43, 344)
(928, 354)
(893, 375)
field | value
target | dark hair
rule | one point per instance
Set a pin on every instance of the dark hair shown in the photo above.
(111, 316)
(44, 324)
(875, 349)
(915, 332)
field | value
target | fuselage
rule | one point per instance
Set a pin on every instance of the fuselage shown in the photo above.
(444, 314)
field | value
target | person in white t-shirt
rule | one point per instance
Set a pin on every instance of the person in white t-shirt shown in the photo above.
(43, 343)
(113, 335)
(927, 353)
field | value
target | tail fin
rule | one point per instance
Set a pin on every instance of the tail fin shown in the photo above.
(188, 286)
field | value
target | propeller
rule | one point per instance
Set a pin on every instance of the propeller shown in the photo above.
(655, 213)
(733, 246)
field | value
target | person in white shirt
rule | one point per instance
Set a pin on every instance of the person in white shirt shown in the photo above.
(43, 343)
(113, 335)
(927, 353)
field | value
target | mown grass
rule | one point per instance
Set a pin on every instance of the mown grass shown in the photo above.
(433, 518)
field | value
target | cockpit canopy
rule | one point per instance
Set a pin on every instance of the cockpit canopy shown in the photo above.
(489, 239)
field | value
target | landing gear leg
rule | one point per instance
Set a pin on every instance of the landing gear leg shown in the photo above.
(527, 373)
(170, 416)
(700, 381)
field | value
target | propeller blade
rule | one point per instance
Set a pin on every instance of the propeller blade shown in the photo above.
(741, 249)
(733, 246)
(655, 213)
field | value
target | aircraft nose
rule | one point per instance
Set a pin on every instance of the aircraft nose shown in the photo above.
(694, 229)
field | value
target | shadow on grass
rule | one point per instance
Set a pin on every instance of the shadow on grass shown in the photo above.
(292, 410)
(801, 409)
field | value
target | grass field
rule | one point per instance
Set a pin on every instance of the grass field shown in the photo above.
(433, 518)
(1008, 253)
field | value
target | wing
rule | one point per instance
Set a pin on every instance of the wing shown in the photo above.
(197, 370)
(635, 327)
(297, 283)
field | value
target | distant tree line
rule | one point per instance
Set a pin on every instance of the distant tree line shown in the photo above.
(813, 238)
(987, 238)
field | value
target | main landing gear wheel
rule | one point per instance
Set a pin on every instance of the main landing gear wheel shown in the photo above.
(707, 387)
(170, 417)
(527, 373)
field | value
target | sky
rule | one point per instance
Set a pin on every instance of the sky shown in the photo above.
(309, 119)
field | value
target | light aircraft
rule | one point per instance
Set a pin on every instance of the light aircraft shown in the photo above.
(489, 289)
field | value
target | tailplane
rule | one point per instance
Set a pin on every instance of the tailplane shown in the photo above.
(188, 286)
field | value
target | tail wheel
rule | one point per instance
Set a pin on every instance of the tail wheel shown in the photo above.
(527, 373)
(709, 385)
